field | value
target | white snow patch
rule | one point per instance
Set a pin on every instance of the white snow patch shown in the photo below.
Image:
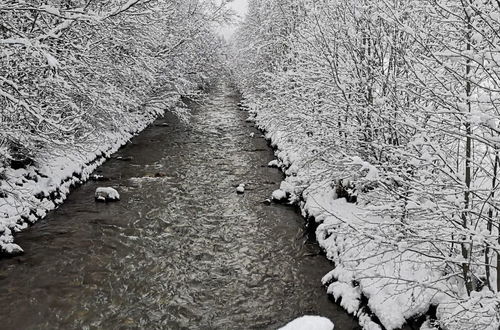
(50, 10)
(240, 189)
(279, 195)
(309, 322)
(369, 259)
(274, 163)
(351, 296)
(51, 60)
(107, 194)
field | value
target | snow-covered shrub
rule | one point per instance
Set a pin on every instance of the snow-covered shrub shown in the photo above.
(78, 78)
(402, 99)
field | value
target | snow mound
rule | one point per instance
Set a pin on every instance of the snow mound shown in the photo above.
(309, 323)
(279, 195)
(106, 194)
(273, 163)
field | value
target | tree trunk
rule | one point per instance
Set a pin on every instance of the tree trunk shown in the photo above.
(489, 226)
(468, 162)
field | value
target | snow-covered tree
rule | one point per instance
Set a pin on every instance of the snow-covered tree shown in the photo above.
(398, 101)
(68, 68)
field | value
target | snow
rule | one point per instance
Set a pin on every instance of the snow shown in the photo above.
(351, 296)
(51, 60)
(309, 323)
(105, 194)
(273, 163)
(427, 326)
(279, 195)
(241, 188)
(404, 202)
(21, 41)
(50, 10)
(27, 192)
(372, 170)
(371, 260)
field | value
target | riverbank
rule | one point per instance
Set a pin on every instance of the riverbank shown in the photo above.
(377, 277)
(182, 250)
(28, 194)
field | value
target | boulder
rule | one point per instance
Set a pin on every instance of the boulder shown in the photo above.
(106, 194)
(241, 189)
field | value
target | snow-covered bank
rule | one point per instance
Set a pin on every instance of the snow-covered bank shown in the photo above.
(81, 82)
(380, 103)
(27, 194)
(372, 262)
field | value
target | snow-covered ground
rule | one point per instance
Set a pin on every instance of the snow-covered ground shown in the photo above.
(309, 322)
(28, 194)
(398, 282)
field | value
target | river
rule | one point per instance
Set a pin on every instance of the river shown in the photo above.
(179, 251)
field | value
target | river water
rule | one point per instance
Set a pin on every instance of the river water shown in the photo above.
(182, 251)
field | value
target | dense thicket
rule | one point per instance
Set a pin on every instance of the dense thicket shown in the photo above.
(399, 100)
(79, 77)
(70, 69)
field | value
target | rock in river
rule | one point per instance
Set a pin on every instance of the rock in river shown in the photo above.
(240, 189)
(106, 194)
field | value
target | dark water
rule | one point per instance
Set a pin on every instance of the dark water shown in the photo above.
(179, 252)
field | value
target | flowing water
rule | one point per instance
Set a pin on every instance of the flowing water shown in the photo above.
(180, 251)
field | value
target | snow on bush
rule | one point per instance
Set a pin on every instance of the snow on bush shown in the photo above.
(273, 163)
(393, 106)
(82, 82)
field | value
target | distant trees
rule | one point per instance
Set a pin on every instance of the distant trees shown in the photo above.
(409, 89)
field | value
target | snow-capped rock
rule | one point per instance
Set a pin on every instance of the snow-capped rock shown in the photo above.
(273, 163)
(279, 195)
(240, 189)
(309, 323)
(106, 194)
